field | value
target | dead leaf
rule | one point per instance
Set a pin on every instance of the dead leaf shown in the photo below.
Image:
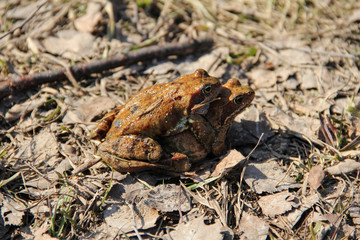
(249, 126)
(283, 73)
(16, 111)
(308, 79)
(206, 62)
(303, 125)
(268, 177)
(355, 16)
(161, 68)
(41, 232)
(168, 198)
(347, 166)
(316, 176)
(71, 44)
(102, 232)
(279, 203)
(86, 108)
(88, 22)
(128, 217)
(22, 11)
(9, 211)
(262, 78)
(330, 218)
(43, 144)
(197, 230)
(233, 159)
(295, 57)
(291, 84)
(292, 217)
(252, 227)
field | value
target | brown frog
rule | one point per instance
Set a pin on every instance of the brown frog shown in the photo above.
(130, 143)
(208, 133)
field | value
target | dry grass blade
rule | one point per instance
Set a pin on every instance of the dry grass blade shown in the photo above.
(300, 57)
(351, 144)
(208, 202)
(326, 132)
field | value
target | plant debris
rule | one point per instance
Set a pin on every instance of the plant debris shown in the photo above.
(64, 64)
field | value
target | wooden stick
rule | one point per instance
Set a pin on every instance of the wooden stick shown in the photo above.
(19, 83)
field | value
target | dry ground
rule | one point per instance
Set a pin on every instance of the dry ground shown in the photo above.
(300, 182)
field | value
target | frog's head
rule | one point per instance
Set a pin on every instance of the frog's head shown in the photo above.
(202, 90)
(240, 98)
(234, 98)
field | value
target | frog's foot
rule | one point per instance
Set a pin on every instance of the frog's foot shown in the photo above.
(131, 147)
(177, 163)
(126, 165)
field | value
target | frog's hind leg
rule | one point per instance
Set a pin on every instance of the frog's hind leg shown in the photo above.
(132, 147)
(104, 124)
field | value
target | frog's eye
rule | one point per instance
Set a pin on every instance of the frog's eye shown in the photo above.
(206, 89)
(238, 99)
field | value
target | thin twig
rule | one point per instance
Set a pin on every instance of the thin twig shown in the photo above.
(85, 166)
(25, 21)
(19, 83)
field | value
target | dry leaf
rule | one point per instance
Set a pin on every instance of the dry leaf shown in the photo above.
(252, 227)
(196, 230)
(291, 84)
(279, 203)
(330, 218)
(308, 79)
(249, 126)
(347, 166)
(268, 177)
(168, 198)
(316, 176)
(262, 78)
(127, 217)
(233, 159)
(9, 212)
(21, 12)
(41, 232)
(161, 68)
(16, 111)
(86, 108)
(303, 125)
(292, 217)
(70, 44)
(206, 62)
(88, 22)
(43, 144)
(295, 57)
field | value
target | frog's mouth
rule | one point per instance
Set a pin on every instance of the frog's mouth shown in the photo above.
(203, 107)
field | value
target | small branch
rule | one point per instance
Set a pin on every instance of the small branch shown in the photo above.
(19, 83)
(25, 21)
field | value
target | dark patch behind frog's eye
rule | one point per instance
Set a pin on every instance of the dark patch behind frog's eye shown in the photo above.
(206, 89)
(238, 99)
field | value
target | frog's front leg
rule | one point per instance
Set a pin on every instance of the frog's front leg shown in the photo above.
(219, 144)
(202, 130)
